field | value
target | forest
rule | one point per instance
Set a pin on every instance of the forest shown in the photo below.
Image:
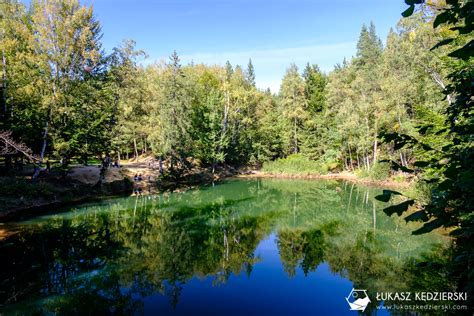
(65, 98)
(399, 107)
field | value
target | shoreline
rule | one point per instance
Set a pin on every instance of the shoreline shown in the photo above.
(345, 176)
(123, 188)
(117, 187)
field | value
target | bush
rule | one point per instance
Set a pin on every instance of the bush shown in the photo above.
(380, 171)
(15, 188)
(361, 173)
(295, 164)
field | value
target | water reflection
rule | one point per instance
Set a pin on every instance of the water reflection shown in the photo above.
(107, 258)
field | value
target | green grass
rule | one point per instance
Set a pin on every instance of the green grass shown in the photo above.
(295, 164)
(380, 171)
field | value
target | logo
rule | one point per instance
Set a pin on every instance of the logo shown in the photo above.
(358, 300)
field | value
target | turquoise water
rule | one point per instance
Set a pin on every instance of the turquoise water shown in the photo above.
(260, 246)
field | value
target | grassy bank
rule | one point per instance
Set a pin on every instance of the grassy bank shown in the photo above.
(298, 166)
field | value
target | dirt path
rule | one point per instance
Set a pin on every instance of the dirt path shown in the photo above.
(90, 175)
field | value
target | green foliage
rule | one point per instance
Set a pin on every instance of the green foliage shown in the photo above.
(295, 164)
(315, 88)
(17, 188)
(250, 73)
(295, 106)
(66, 99)
(216, 114)
(380, 171)
(447, 167)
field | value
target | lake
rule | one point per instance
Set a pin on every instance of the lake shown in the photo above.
(250, 246)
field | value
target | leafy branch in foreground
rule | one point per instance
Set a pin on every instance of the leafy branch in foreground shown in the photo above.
(448, 170)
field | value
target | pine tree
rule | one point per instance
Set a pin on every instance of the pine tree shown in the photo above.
(313, 142)
(315, 84)
(367, 91)
(229, 71)
(171, 116)
(369, 46)
(250, 74)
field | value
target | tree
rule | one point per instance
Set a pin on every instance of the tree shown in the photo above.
(315, 84)
(229, 71)
(127, 85)
(367, 62)
(315, 130)
(171, 115)
(354, 95)
(346, 131)
(20, 100)
(292, 94)
(66, 41)
(210, 112)
(369, 46)
(449, 170)
(250, 74)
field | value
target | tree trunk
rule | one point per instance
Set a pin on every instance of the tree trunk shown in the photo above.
(4, 87)
(224, 125)
(135, 148)
(45, 141)
(375, 151)
(368, 137)
(375, 144)
(350, 157)
(43, 150)
(8, 164)
(160, 164)
(437, 78)
(296, 138)
(367, 162)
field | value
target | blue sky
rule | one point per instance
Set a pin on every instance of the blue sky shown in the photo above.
(274, 33)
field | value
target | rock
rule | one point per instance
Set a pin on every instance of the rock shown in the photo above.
(89, 176)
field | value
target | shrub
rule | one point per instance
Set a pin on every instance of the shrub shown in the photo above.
(295, 164)
(380, 171)
(17, 188)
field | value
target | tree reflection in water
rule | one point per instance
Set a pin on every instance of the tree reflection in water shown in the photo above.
(104, 259)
